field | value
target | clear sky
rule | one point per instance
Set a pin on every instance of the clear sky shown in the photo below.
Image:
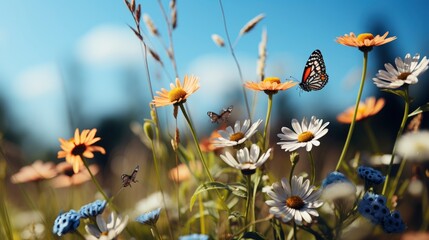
(40, 40)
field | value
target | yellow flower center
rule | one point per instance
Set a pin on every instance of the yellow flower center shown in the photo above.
(236, 136)
(295, 202)
(78, 150)
(305, 136)
(361, 37)
(176, 94)
(404, 75)
(104, 234)
(272, 80)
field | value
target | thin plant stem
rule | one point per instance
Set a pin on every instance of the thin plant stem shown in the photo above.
(248, 200)
(295, 230)
(352, 125)
(291, 172)
(94, 180)
(397, 177)
(401, 129)
(201, 209)
(155, 232)
(371, 137)
(313, 168)
(235, 60)
(267, 121)
(155, 162)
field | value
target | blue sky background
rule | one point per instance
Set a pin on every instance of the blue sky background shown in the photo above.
(51, 49)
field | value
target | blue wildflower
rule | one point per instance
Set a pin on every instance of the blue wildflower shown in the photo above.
(392, 223)
(370, 175)
(337, 186)
(149, 218)
(334, 177)
(66, 222)
(92, 209)
(373, 207)
(194, 236)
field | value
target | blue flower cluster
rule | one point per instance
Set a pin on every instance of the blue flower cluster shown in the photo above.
(66, 222)
(69, 221)
(373, 207)
(334, 177)
(370, 175)
(149, 218)
(92, 209)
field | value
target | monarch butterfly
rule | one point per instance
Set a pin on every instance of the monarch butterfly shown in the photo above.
(314, 76)
(223, 116)
(127, 179)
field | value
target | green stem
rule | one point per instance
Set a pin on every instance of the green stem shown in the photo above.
(155, 232)
(94, 180)
(396, 180)
(371, 137)
(295, 230)
(352, 125)
(291, 172)
(248, 200)
(313, 168)
(401, 129)
(201, 209)
(267, 121)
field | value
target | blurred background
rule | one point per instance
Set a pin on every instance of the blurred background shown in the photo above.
(76, 64)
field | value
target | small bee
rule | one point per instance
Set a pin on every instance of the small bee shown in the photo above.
(223, 116)
(127, 179)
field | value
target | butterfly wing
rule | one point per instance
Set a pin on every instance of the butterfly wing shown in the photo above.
(134, 174)
(225, 114)
(314, 76)
(214, 117)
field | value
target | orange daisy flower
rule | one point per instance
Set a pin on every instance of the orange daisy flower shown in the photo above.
(206, 144)
(80, 146)
(37, 171)
(270, 85)
(67, 177)
(367, 109)
(178, 93)
(364, 41)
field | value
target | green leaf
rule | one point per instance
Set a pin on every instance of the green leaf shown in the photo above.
(398, 92)
(234, 188)
(238, 189)
(252, 235)
(423, 108)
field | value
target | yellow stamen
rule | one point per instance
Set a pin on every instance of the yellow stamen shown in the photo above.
(295, 202)
(236, 136)
(404, 75)
(272, 80)
(305, 136)
(176, 94)
(361, 37)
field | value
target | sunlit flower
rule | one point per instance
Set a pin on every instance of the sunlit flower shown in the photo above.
(270, 85)
(149, 218)
(303, 135)
(364, 41)
(247, 162)
(93, 209)
(80, 146)
(365, 109)
(106, 230)
(414, 146)
(37, 171)
(183, 173)
(66, 222)
(296, 201)
(232, 137)
(67, 177)
(407, 71)
(194, 236)
(178, 93)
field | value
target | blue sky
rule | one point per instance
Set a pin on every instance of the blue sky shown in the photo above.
(39, 39)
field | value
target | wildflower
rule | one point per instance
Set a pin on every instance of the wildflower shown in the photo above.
(393, 223)
(66, 222)
(80, 146)
(92, 209)
(232, 137)
(270, 85)
(106, 230)
(149, 218)
(206, 144)
(67, 177)
(154, 201)
(370, 175)
(406, 72)
(364, 41)
(367, 109)
(37, 171)
(178, 93)
(182, 172)
(414, 146)
(297, 200)
(373, 207)
(336, 185)
(194, 236)
(246, 162)
(303, 135)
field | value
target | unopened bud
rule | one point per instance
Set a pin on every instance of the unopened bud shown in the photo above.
(148, 130)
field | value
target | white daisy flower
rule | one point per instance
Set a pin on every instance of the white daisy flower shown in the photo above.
(414, 146)
(246, 162)
(232, 137)
(406, 72)
(303, 135)
(106, 230)
(295, 201)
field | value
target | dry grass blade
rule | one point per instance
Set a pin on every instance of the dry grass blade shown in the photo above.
(262, 55)
(150, 25)
(136, 33)
(251, 24)
(173, 14)
(218, 40)
(155, 56)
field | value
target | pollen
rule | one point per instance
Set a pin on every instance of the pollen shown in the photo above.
(272, 80)
(363, 36)
(305, 136)
(236, 136)
(176, 94)
(404, 75)
(295, 202)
